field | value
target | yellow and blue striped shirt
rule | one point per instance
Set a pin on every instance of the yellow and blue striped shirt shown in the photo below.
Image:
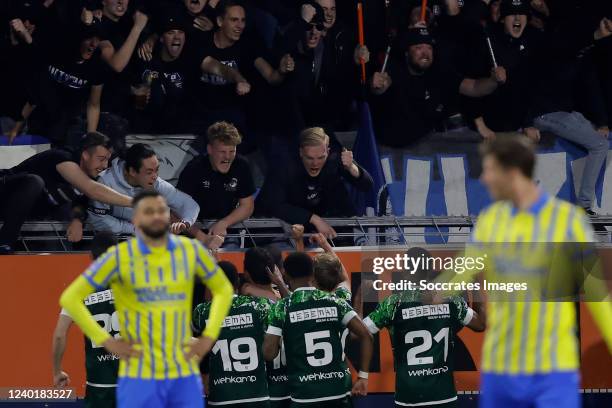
(153, 290)
(529, 335)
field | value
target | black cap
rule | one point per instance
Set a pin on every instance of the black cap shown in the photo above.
(172, 22)
(415, 36)
(85, 31)
(514, 7)
(30, 10)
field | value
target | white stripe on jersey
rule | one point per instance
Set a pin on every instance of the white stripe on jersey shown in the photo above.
(420, 404)
(242, 401)
(335, 397)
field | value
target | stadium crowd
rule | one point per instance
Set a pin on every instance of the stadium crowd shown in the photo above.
(281, 77)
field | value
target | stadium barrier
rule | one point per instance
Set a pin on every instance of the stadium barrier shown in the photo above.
(30, 287)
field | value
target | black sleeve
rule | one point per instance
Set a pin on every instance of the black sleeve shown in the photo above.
(362, 183)
(57, 156)
(99, 72)
(273, 201)
(452, 82)
(202, 49)
(79, 208)
(591, 98)
(186, 182)
(290, 36)
(45, 163)
(391, 97)
(247, 184)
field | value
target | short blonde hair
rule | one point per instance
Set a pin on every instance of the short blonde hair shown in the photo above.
(327, 271)
(314, 136)
(225, 133)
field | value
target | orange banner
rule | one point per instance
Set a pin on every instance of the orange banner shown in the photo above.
(30, 287)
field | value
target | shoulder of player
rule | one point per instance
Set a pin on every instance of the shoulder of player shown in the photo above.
(455, 300)
(334, 297)
(202, 309)
(343, 293)
(247, 300)
(186, 242)
(562, 208)
(280, 304)
(492, 210)
(393, 301)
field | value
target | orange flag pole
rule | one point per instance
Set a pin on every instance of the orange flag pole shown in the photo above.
(423, 10)
(361, 39)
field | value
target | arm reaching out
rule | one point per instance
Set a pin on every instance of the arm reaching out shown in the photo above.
(73, 174)
(102, 271)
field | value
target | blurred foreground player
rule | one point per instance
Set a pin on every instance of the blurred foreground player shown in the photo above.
(152, 278)
(530, 353)
(101, 366)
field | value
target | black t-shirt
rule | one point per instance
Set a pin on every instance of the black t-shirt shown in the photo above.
(507, 108)
(168, 87)
(65, 85)
(115, 31)
(217, 194)
(58, 190)
(414, 104)
(116, 95)
(212, 91)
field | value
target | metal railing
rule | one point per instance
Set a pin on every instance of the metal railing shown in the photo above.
(364, 231)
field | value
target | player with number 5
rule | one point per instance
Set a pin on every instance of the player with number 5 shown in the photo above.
(310, 322)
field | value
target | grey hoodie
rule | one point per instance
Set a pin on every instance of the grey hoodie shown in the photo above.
(105, 217)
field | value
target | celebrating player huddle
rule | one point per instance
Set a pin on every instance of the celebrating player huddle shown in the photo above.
(264, 351)
(259, 352)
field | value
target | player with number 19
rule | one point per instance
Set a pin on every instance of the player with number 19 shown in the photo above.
(237, 369)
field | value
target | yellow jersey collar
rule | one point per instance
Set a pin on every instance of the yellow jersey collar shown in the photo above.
(145, 250)
(535, 207)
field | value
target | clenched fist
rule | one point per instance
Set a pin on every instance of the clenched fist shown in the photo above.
(499, 75)
(361, 54)
(243, 88)
(346, 157)
(381, 81)
(308, 12)
(287, 64)
(140, 20)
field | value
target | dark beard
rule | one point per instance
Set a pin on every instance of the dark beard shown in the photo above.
(155, 234)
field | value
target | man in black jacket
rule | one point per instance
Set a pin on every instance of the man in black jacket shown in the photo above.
(518, 48)
(306, 192)
(553, 106)
(412, 98)
(320, 90)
